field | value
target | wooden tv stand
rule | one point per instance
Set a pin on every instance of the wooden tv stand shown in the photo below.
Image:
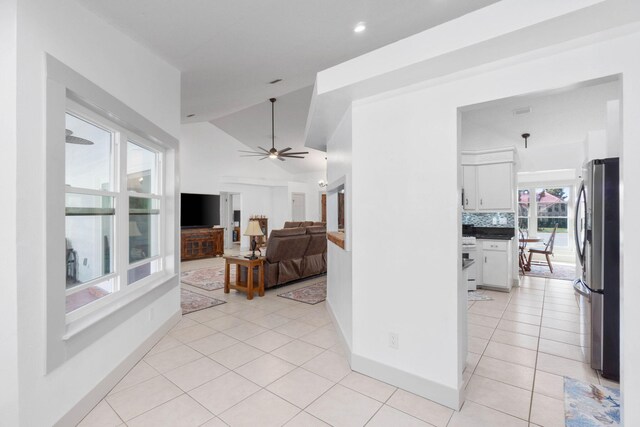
(196, 243)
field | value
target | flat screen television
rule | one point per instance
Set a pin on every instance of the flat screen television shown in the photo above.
(199, 210)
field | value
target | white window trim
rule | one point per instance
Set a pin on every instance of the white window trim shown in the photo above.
(68, 336)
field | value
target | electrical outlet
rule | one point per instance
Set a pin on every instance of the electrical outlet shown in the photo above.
(394, 340)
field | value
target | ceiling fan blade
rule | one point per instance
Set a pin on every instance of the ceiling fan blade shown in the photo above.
(252, 155)
(264, 149)
(293, 157)
(265, 157)
(282, 159)
(285, 150)
(252, 152)
(295, 153)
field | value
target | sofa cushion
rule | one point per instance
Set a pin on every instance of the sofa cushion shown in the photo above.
(306, 224)
(292, 224)
(316, 229)
(286, 248)
(324, 224)
(285, 232)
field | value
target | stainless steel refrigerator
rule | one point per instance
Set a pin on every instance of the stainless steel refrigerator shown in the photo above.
(597, 232)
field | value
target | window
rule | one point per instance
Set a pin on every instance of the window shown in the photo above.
(540, 214)
(113, 206)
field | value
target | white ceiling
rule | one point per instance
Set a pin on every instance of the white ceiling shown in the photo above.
(252, 126)
(559, 117)
(228, 50)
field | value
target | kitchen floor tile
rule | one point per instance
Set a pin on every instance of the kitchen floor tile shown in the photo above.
(388, 416)
(142, 397)
(269, 341)
(265, 369)
(212, 343)
(139, 373)
(271, 320)
(297, 352)
(341, 406)
(329, 365)
(173, 358)
(205, 315)
(518, 340)
(304, 419)
(522, 318)
(479, 319)
(581, 354)
(566, 367)
(295, 328)
(236, 355)
(509, 373)
(262, 409)
(196, 373)
(509, 353)
(222, 393)
(300, 387)
(547, 412)
(572, 338)
(550, 385)
(368, 386)
(182, 411)
(479, 331)
(499, 396)
(476, 345)
(520, 328)
(474, 415)
(419, 407)
(322, 337)
(102, 415)
(245, 331)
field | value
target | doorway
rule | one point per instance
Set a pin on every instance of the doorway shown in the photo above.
(230, 214)
(298, 211)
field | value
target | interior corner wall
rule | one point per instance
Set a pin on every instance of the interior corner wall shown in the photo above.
(423, 175)
(339, 261)
(8, 236)
(145, 83)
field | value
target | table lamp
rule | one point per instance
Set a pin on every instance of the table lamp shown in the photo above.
(253, 230)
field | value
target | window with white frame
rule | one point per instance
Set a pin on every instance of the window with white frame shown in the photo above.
(113, 209)
(542, 208)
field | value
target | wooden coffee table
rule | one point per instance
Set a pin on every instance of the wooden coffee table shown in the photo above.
(248, 285)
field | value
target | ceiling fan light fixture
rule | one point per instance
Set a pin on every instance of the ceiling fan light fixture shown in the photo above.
(360, 27)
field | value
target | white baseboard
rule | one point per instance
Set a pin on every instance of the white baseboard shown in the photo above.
(439, 393)
(343, 340)
(444, 395)
(91, 399)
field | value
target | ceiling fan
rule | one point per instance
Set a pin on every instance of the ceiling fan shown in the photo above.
(70, 139)
(283, 154)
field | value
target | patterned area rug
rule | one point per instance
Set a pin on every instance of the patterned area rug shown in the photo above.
(311, 294)
(589, 405)
(560, 272)
(478, 296)
(191, 301)
(209, 279)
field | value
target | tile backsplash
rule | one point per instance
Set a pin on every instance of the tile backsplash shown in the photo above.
(489, 219)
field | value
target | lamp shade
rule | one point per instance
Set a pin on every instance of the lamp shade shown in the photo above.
(134, 231)
(253, 229)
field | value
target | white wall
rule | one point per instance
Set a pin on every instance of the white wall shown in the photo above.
(148, 85)
(423, 121)
(8, 237)
(210, 163)
(339, 261)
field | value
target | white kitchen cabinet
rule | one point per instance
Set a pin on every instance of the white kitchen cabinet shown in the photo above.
(488, 180)
(496, 258)
(495, 187)
(469, 188)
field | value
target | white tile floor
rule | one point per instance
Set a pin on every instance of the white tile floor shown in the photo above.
(273, 362)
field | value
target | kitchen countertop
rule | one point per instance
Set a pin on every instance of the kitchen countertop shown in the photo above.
(494, 237)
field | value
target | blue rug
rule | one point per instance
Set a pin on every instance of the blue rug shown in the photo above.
(589, 405)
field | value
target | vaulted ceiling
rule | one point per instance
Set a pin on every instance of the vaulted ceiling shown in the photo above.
(229, 50)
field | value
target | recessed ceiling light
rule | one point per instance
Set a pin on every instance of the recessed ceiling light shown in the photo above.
(190, 115)
(360, 27)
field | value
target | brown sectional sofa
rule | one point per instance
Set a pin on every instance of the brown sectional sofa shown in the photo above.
(294, 253)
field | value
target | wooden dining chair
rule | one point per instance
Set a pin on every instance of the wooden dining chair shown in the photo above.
(546, 250)
(522, 245)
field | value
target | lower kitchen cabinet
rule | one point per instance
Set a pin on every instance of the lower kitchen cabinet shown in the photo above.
(495, 270)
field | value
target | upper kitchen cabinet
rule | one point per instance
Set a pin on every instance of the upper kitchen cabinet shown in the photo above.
(488, 180)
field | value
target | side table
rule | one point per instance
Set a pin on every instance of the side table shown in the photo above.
(247, 286)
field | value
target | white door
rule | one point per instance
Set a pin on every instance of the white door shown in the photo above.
(297, 207)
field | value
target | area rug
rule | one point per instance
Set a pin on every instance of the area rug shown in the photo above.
(311, 294)
(478, 296)
(589, 405)
(560, 272)
(209, 279)
(191, 301)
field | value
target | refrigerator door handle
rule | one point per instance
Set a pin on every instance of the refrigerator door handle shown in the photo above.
(582, 289)
(580, 246)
